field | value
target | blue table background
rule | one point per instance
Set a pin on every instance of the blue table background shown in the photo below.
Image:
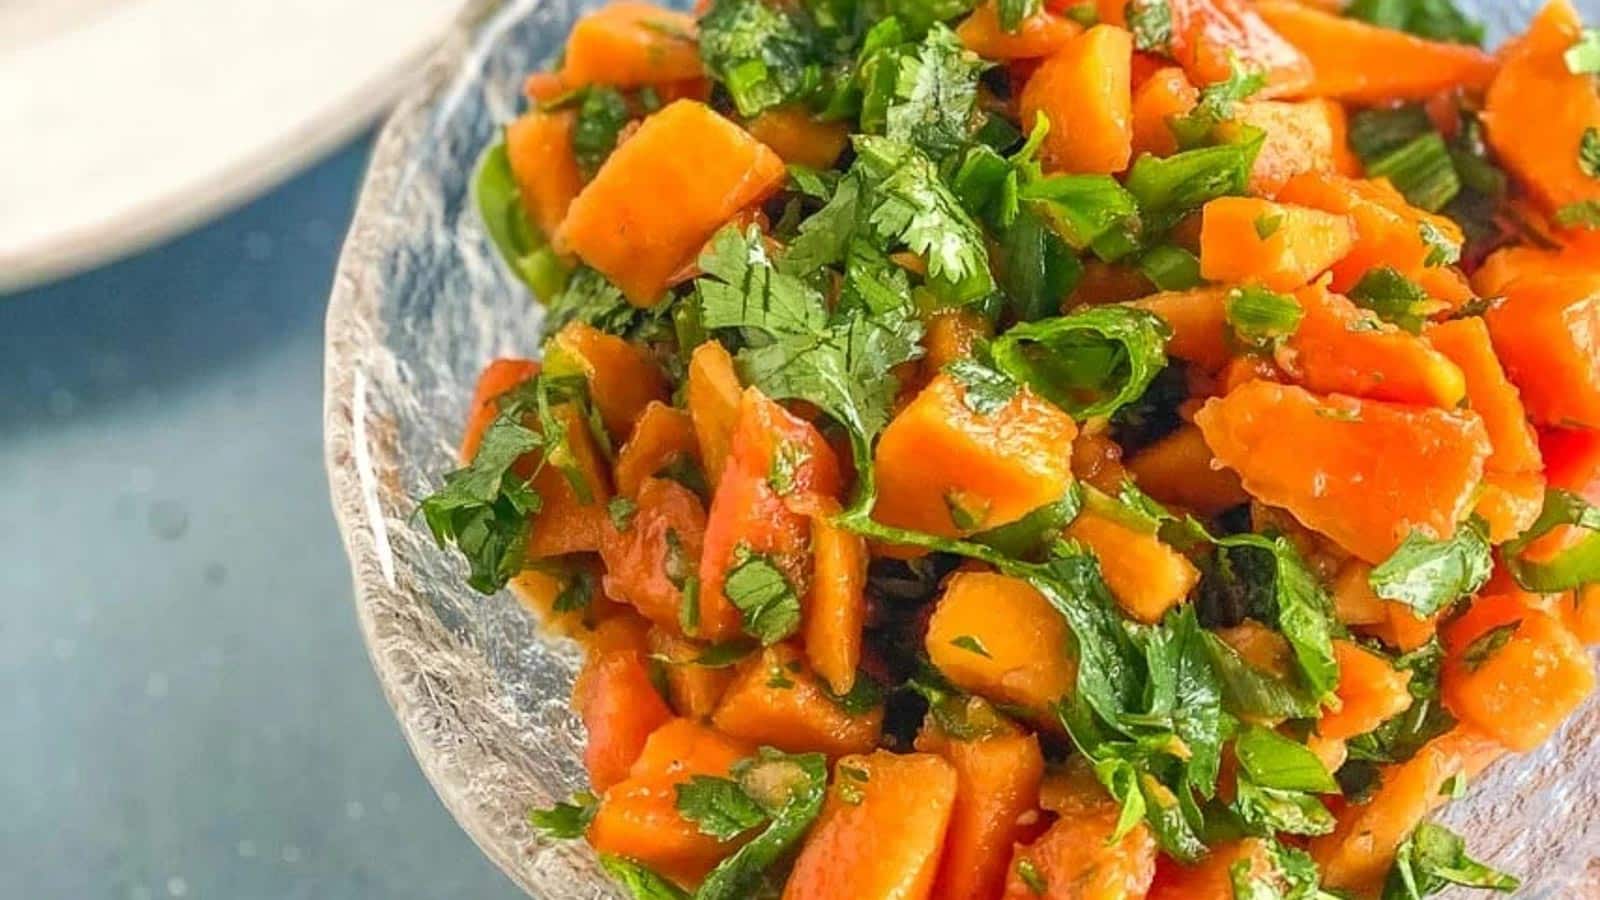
(186, 709)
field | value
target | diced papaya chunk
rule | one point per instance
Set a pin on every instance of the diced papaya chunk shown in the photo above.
(1342, 52)
(649, 560)
(663, 437)
(1199, 323)
(1208, 36)
(651, 206)
(1300, 138)
(1085, 90)
(1370, 692)
(1507, 264)
(693, 689)
(1341, 348)
(949, 470)
(498, 379)
(1077, 859)
(836, 608)
(1388, 230)
(1357, 855)
(1246, 239)
(620, 708)
(776, 699)
(774, 455)
(1180, 470)
(1547, 335)
(799, 137)
(1040, 34)
(622, 377)
(1537, 110)
(1212, 876)
(1166, 93)
(881, 831)
(1402, 628)
(950, 335)
(1572, 460)
(629, 44)
(714, 394)
(1509, 502)
(1489, 393)
(638, 818)
(997, 786)
(573, 488)
(1580, 612)
(1512, 671)
(1360, 472)
(997, 637)
(539, 148)
(1146, 577)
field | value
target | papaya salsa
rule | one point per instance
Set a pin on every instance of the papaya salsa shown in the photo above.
(1065, 449)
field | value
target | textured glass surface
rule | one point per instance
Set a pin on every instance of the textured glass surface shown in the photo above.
(419, 305)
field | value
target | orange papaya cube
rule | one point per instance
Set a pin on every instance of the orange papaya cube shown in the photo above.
(1402, 628)
(713, 400)
(1537, 111)
(631, 44)
(1165, 94)
(1547, 335)
(1509, 502)
(775, 455)
(1040, 34)
(881, 831)
(1354, 601)
(498, 379)
(949, 470)
(1208, 36)
(539, 149)
(1247, 239)
(1580, 612)
(1085, 90)
(1179, 470)
(1199, 322)
(570, 519)
(1510, 263)
(1370, 692)
(1388, 230)
(799, 137)
(1342, 52)
(1358, 853)
(997, 788)
(1363, 473)
(836, 608)
(1490, 393)
(1512, 671)
(648, 561)
(1572, 460)
(623, 378)
(775, 699)
(693, 690)
(950, 335)
(638, 818)
(1146, 577)
(997, 637)
(1076, 858)
(1342, 348)
(1212, 876)
(1300, 138)
(619, 707)
(662, 437)
(651, 207)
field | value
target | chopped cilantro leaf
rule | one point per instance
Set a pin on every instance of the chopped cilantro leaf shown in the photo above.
(621, 511)
(1434, 858)
(1428, 575)
(984, 391)
(1261, 318)
(1438, 20)
(1579, 214)
(566, 821)
(1012, 13)
(764, 597)
(601, 116)
(936, 93)
(972, 645)
(763, 53)
(790, 790)
(484, 508)
(1583, 57)
(1091, 362)
(1151, 24)
(1589, 152)
(718, 807)
(1395, 298)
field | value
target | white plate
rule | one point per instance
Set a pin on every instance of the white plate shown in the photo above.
(124, 121)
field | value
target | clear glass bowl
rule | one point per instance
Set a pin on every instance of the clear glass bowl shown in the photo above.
(419, 305)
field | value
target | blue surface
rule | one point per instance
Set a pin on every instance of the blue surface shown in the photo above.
(186, 708)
